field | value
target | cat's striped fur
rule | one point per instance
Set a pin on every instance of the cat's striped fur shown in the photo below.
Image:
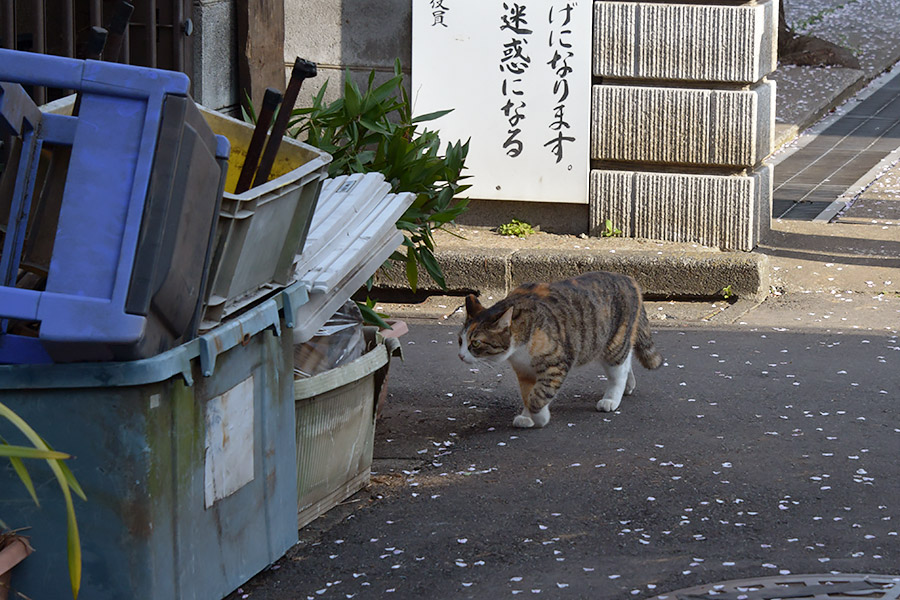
(544, 330)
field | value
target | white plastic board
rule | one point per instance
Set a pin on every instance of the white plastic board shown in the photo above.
(518, 76)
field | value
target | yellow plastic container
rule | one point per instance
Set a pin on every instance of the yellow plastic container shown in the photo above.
(262, 230)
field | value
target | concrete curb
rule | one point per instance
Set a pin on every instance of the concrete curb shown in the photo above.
(670, 274)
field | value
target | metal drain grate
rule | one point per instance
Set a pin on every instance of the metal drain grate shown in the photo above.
(811, 587)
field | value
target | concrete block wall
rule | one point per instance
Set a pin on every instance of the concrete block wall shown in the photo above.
(341, 36)
(683, 118)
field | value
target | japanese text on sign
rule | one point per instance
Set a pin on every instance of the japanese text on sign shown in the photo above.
(514, 64)
(561, 46)
(517, 74)
(438, 11)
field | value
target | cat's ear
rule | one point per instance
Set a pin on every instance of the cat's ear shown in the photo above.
(473, 306)
(506, 320)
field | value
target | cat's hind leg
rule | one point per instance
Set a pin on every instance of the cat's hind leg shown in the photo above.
(630, 384)
(621, 379)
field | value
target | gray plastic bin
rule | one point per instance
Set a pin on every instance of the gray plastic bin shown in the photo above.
(188, 461)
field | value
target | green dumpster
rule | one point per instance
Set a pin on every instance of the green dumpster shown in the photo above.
(188, 461)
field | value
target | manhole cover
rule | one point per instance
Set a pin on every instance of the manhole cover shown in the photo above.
(815, 587)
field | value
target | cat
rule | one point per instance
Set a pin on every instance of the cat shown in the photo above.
(544, 330)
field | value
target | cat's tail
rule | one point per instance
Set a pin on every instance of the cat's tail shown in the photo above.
(643, 344)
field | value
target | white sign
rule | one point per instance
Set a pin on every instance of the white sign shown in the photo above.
(518, 76)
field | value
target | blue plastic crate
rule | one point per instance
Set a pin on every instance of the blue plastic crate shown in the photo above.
(131, 245)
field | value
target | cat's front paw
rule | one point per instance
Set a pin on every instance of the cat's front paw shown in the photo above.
(523, 422)
(541, 417)
(607, 405)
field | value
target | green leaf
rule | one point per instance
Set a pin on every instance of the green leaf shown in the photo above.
(431, 116)
(19, 466)
(352, 99)
(412, 269)
(373, 126)
(74, 543)
(432, 266)
(383, 91)
(29, 452)
(371, 317)
(248, 113)
(70, 479)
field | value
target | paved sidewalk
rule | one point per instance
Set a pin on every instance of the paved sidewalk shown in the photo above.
(752, 452)
(836, 160)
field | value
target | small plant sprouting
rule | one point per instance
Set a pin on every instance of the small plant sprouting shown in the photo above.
(727, 292)
(609, 230)
(815, 18)
(517, 228)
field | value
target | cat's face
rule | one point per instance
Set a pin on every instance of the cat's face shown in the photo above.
(484, 337)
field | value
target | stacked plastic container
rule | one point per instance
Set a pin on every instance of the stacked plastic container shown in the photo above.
(114, 232)
(122, 225)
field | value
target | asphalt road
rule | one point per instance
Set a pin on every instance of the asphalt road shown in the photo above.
(752, 452)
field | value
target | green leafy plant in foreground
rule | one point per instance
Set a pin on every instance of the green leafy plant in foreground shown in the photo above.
(374, 130)
(41, 450)
(727, 292)
(516, 228)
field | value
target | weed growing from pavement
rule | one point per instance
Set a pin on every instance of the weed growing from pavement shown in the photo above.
(610, 230)
(516, 228)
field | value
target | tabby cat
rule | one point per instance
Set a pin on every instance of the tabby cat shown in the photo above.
(544, 330)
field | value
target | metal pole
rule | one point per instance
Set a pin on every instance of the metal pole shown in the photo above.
(96, 13)
(8, 8)
(69, 28)
(150, 24)
(177, 36)
(40, 46)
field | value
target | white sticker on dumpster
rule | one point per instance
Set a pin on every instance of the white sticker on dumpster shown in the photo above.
(229, 442)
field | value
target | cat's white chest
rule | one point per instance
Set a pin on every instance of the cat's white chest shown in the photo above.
(520, 359)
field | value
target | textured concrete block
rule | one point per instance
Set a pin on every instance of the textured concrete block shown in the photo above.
(215, 54)
(664, 125)
(723, 43)
(723, 211)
